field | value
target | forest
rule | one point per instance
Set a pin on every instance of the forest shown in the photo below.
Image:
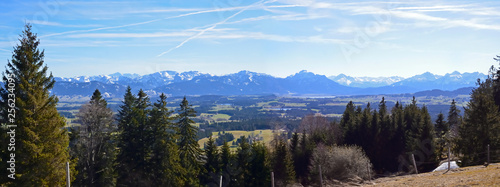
(148, 143)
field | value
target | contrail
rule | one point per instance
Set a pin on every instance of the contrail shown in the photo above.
(213, 26)
(146, 22)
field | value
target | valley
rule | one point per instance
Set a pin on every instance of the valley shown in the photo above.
(260, 115)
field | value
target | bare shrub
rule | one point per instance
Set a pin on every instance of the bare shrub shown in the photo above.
(340, 162)
(320, 130)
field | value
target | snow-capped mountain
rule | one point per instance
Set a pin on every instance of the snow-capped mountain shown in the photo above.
(450, 81)
(365, 82)
(247, 82)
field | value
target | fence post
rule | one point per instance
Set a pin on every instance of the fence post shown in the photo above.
(414, 163)
(488, 155)
(320, 177)
(449, 157)
(67, 175)
(272, 178)
(368, 168)
(220, 183)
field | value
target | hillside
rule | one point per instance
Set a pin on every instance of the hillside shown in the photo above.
(467, 176)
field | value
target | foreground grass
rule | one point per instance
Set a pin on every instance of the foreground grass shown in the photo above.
(467, 176)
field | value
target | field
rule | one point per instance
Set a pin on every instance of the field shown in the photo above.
(267, 136)
(250, 113)
(468, 176)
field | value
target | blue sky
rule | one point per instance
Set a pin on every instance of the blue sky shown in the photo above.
(277, 37)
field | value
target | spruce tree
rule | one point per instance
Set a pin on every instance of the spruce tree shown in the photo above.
(305, 154)
(481, 125)
(397, 141)
(212, 163)
(442, 132)
(189, 149)
(226, 158)
(296, 153)
(454, 119)
(283, 169)
(94, 144)
(164, 163)
(41, 143)
(133, 140)
(348, 123)
(244, 156)
(427, 141)
(495, 76)
(259, 167)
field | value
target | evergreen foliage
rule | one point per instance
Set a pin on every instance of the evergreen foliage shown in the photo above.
(41, 149)
(388, 137)
(283, 168)
(189, 150)
(226, 161)
(481, 124)
(442, 133)
(212, 163)
(244, 157)
(454, 119)
(259, 168)
(132, 124)
(164, 164)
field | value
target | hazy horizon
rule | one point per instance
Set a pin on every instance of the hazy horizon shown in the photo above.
(267, 74)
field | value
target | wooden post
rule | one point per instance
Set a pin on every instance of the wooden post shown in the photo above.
(414, 163)
(368, 168)
(67, 175)
(220, 183)
(272, 178)
(488, 155)
(449, 157)
(320, 177)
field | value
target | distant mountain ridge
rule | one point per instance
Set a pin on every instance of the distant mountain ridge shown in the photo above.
(365, 82)
(247, 82)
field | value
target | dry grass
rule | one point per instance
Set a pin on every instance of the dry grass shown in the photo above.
(468, 176)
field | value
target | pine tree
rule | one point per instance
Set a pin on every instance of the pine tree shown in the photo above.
(412, 128)
(348, 123)
(495, 75)
(94, 145)
(259, 167)
(481, 125)
(244, 156)
(296, 154)
(305, 154)
(41, 148)
(442, 130)
(397, 141)
(427, 141)
(454, 119)
(189, 150)
(284, 172)
(226, 160)
(132, 124)
(212, 165)
(164, 163)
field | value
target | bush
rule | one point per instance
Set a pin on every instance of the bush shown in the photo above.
(340, 162)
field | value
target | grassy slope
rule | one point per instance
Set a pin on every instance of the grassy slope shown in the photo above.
(467, 176)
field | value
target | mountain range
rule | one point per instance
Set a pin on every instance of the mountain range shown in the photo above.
(252, 83)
